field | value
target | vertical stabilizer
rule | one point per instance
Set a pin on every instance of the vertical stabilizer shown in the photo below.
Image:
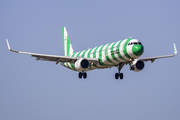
(68, 50)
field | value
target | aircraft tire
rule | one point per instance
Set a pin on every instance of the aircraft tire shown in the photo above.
(84, 75)
(80, 75)
(116, 76)
(121, 75)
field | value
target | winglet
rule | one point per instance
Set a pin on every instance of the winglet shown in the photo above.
(9, 46)
(175, 50)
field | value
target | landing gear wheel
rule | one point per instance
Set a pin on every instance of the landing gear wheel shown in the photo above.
(84, 75)
(80, 75)
(121, 75)
(116, 76)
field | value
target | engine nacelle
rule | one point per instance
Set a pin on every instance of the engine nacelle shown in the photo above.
(137, 65)
(81, 64)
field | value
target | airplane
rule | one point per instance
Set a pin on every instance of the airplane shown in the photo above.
(116, 54)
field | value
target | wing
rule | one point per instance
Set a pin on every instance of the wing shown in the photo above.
(53, 58)
(152, 59)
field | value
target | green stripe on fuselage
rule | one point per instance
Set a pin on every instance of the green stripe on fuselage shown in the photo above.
(84, 53)
(67, 65)
(72, 65)
(112, 52)
(125, 48)
(100, 56)
(79, 54)
(106, 53)
(89, 53)
(94, 53)
(118, 50)
(73, 54)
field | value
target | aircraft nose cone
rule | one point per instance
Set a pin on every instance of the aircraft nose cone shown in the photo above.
(138, 50)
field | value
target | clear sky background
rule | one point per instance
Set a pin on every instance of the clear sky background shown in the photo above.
(37, 90)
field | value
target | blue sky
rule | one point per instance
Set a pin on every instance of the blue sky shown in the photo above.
(36, 90)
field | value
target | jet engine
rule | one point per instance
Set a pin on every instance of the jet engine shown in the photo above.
(137, 65)
(81, 64)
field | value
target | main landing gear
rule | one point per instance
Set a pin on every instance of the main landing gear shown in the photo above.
(119, 75)
(82, 74)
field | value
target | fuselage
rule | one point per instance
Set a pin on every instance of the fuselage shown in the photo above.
(110, 55)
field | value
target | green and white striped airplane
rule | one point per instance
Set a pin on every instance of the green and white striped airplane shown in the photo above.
(116, 54)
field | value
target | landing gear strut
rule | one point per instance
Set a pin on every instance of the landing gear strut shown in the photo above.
(119, 75)
(82, 74)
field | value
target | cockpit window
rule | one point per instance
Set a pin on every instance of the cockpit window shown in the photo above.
(135, 43)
